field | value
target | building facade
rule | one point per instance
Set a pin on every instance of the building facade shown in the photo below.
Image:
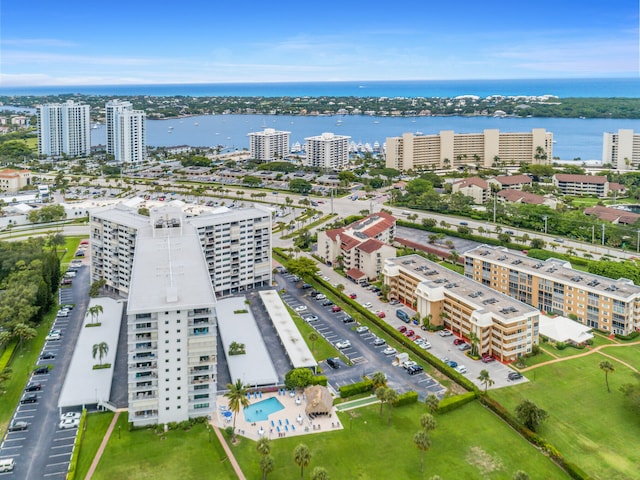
(126, 132)
(504, 327)
(474, 187)
(269, 145)
(236, 244)
(554, 287)
(64, 128)
(12, 181)
(571, 184)
(327, 151)
(621, 149)
(449, 150)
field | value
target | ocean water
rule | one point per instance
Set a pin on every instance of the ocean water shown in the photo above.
(573, 137)
(575, 87)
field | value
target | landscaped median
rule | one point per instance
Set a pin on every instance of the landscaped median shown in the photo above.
(71, 475)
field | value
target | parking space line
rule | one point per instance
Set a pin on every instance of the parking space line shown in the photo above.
(63, 438)
(2, 457)
(56, 473)
(60, 455)
(63, 446)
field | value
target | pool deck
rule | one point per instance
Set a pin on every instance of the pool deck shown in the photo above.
(293, 411)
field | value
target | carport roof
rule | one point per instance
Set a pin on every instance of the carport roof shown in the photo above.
(83, 385)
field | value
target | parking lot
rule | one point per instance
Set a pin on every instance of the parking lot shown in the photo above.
(43, 449)
(366, 355)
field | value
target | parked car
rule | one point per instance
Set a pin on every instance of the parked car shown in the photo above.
(353, 296)
(29, 398)
(425, 345)
(381, 314)
(488, 359)
(408, 363)
(362, 329)
(17, 426)
(464, 347)
(33, 387)
(310, 318)
(47, 356)
(514, 376)
(342, 344)
(409, 333)
(415, 369)
(306, 286)
(62, 313)
(52, 336)
(402, 329)
(336, 309)
(445, 333)
(300, 308)
(68, 423)
(333, 363)
(389, 351)
(41, 370)
(379, 341)
(71, 415)
(458, 341)
(367, 305)
(461, 369)
(347, 319)
(321, 296)
(451, 363)
(327, 303)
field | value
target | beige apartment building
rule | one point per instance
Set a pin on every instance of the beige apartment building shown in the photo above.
(622, 149)
(571, 184)
(449, 150)
(12, 181)
(505, 327)
(553, 286)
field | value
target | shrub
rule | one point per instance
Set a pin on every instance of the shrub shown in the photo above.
(451, 403)
(7, 355)
(319, 380)
(561, 345)
(407, 398)
(356, 388)
(631, 336)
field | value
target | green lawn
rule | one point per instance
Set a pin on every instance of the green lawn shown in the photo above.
(178, 454)
(373, 450)
(540, 358)
(321, 349)
(592, 428)
(97, 425)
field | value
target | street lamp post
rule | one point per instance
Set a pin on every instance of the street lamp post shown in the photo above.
(545, 218)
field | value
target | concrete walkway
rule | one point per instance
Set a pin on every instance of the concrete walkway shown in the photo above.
(590, 352)
(232, 459)
(103, 445)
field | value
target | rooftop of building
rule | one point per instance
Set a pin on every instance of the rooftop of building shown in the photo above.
(475, 181)
(169, 271)
(557, 270)
(611, 214)
(433, 275)
(575, 178)
(524, 197)
(513, 179)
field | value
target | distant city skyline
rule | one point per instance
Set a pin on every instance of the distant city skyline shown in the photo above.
(143, 42)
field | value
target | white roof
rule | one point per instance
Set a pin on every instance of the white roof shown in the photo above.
(290, 336)
(563, 329)
(83, 385)
(237, 324)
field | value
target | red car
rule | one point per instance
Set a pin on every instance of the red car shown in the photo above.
(402, 329)
(353, 296)
(409, 333)
(488, 359)
(458, 341)
(336, 309)
(381, 314)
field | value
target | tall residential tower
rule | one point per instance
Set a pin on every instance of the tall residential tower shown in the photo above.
(64, 128)
(126, 132)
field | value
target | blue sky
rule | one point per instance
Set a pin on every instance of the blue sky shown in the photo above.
(70, 42)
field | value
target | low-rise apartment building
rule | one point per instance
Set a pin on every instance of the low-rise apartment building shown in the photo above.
(505, 327)
(361, 247)
(553, 286)
(13, 180)
(474, 187)
(570, 184)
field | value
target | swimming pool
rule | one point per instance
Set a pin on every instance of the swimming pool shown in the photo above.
(260, 411)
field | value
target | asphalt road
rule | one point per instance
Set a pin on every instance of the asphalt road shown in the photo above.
(43, 450)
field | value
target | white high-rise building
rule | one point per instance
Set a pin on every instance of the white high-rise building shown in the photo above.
(327, 151)
(621, 149)
(269, 145)
(64, 128)
(126, 132)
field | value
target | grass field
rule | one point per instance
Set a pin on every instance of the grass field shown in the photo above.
(97, 425)
(468, 443)
(592, 428)
(178, 454)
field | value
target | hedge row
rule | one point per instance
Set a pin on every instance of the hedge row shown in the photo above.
(631, 336)
(319, 380)
(71, 475)
(451, 403)
(356, 388)
(7, 355)
(540, 254)
(573, 470)
(407, 398)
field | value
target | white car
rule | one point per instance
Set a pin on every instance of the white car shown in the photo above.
(362, 329)
(367, 305)
(300, 308)
(310, 318)
(342, 344)
(425, 345)
(461, 369)
(70, 416)
(389, 351)
(68, 423)
(62, 313)
(53, 336)
(325, 278)
(445, 333)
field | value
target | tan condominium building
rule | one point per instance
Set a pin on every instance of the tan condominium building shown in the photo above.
(554, 287)
(504, 327)
(449, 150)
(570, 184)
(269, 145)
(622, 149)
(13, 180)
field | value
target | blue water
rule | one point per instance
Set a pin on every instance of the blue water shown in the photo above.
(574, 137)
(259, 412)
(575, 87)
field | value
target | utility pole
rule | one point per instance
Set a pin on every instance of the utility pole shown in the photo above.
(494, 207)
(545, 218)
(593, 234)
(603, 234)
(331, 200)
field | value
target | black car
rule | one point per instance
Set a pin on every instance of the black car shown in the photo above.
(514, 376)
(33, 387)
(47, 356)
(41, 370)
(18, 426)
(306, 285)
(348, 319)
(415, 369)
(327, 303)
(333, 363)
(29, 398)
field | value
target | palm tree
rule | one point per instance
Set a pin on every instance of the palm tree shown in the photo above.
(100, 349)
(319, 473)
(485, 379)
(475, 341)
(24, 333)
(426, 321)
(263, 446)
(427, 422)
(432, 403)
(378, 380)
(421, 439)
(313, 338)
(237, 396)
(391, 398)
(607, 367)
(95, 312)
(380, 394)
(266, 466)
(302, 457)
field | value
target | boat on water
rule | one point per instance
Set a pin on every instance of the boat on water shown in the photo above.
(376, 121)
(196, 124)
